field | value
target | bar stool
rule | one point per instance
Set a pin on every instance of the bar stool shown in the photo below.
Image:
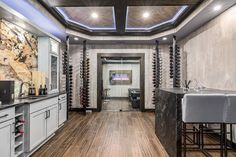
(230, 116)
(204, 109)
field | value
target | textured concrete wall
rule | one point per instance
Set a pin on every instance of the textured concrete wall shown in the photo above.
(209, 52)
(93, 50)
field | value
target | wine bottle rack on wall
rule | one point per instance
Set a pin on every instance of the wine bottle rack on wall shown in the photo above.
(84, 78)
(175, 59)
(70, 92)
(157, 70)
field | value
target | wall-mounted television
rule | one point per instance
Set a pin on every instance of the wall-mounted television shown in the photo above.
(120, 77)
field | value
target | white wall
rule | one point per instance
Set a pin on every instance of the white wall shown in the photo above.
(121, 90)
(210, 51)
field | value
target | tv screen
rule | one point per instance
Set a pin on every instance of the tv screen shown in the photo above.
(120, 77)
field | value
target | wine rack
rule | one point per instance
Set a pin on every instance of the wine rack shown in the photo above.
(157, 70)
(64, 62)
(175, 59)
(84, 77)
(70, 92)
(19, 131)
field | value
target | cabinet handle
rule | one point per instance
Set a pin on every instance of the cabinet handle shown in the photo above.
(48, 113)
(4, 116)
(14, 128)
(59, 106)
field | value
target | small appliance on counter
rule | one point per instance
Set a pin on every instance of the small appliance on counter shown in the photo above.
(7, 94)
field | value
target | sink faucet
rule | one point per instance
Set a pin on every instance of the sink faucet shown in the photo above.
(21, 87)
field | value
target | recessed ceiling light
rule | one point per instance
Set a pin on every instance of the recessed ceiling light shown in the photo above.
(146, 14)
(217, 7)
(94, 15)
(76, 38)
(164, 38)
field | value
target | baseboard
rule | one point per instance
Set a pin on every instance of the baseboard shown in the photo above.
(82, 110)
(149, 110)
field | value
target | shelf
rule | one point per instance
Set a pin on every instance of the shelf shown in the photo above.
(19, 125)
(18, 135)
(19, 114)
(17, 144)
(18, 153)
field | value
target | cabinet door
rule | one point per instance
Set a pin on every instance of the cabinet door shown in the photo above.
(37, 128)
(7, 139)
(52, 120)
(62, 112)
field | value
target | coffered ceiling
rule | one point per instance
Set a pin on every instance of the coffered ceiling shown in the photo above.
(120, 17)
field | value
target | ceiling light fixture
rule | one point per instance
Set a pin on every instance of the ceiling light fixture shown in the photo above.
(76, 38)
(164, 38)
(94, 15)
(217, 7)
(146, 14)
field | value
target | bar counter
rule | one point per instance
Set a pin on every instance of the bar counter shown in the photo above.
(168, 116)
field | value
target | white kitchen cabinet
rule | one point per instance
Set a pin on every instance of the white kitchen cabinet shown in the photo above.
(7, 138)
(52, 120)
(62, 109)
(48, 62)
(37, 128)
(43, 121)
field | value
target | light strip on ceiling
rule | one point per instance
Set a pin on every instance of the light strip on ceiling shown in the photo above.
(173, 19)
(28, 11)
(61, 11)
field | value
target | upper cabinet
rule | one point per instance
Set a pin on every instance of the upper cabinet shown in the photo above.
(48, 62)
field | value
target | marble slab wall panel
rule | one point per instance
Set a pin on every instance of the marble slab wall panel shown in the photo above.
(18, 54)
(210, 52)
(93, 50)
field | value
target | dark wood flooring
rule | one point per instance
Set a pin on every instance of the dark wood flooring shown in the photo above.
(108, 134)
(117, 105)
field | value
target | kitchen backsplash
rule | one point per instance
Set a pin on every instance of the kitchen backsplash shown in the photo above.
(18, 54)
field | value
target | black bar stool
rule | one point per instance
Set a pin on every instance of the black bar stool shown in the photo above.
(202, 109)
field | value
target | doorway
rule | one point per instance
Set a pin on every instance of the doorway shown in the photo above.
(120, 82)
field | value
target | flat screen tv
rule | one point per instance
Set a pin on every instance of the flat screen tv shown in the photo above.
(120, 77)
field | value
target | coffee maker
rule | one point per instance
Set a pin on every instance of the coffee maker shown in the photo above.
(7, 91)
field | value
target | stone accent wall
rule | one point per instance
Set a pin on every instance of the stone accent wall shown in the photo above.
(18, 54)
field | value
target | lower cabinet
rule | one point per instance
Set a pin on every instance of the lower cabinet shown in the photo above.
(7, 137)
(37, 128)
(52, 120)
(62, 111)
(43, 123)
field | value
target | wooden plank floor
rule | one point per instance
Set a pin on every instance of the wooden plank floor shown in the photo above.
(105, 134)
(108, 134)
(117, 105)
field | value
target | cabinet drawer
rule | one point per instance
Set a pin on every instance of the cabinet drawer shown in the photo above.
(62, 97)
(43, 104)
(7, 114)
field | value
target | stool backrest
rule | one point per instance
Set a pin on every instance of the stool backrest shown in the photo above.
(204, 108)
(231, 109)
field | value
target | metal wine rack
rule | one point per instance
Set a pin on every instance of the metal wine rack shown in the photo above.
(84, 77)
(175, 59)
(157, 70)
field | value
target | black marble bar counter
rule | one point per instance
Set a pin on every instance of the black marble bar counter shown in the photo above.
(168, 116)
(24, 101)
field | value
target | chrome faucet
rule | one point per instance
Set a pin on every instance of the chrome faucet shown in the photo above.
(21, 87)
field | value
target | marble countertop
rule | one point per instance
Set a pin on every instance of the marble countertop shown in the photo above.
(192, 91)
(29, 101)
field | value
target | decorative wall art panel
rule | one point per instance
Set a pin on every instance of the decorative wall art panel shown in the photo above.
(18, 54)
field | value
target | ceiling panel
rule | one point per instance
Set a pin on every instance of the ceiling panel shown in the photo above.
(149, 17)
(92, 18)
